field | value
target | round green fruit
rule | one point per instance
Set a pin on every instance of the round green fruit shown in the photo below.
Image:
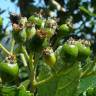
(39, 23)
(69, 52)
(30, 32)
(50, 32)
(33, 19)
(64, 30)
(83, 51)
(49, 57)
(23, 21)
(20, 36)
(10, 69)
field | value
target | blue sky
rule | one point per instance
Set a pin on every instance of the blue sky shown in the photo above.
(10, 7)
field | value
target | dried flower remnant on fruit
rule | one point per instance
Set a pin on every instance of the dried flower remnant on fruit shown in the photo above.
(85, 42)
(71, 41)
(49, 56)
(42, 34)
(47, 51)
(10, 58)
(16, 27)
(51, 23)
(23, 21)
(29, 25)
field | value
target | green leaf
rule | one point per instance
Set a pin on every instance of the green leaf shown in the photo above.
(88, 78)
(64, 83)
(48, 89)
(89, 68)
(87, 82)
(7, 90)
(68, 84)
(25, 83)
(82, 8)
(22, 91)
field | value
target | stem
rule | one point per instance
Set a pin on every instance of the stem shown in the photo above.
(23, 59)
(12, 45)
(25, 52)
(36, 61)
(44, 81)
(56, 43)
(4, 49)
(31, 68)
(31, 62)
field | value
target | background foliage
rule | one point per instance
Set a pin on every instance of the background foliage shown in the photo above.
(82, 13)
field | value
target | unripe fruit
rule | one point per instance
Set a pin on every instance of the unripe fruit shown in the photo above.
(50, 32)
(64, 30)
(19, 34)
(49, 56)
(30, 32)
(37, 41)
(32, 19)
(39, 23)
(9, 69)
(69, 52)
(23, 21)
(83, 51)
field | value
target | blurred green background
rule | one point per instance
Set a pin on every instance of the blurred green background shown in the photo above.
(82, 13)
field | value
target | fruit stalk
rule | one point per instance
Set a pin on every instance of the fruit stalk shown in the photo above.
(4, 49)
